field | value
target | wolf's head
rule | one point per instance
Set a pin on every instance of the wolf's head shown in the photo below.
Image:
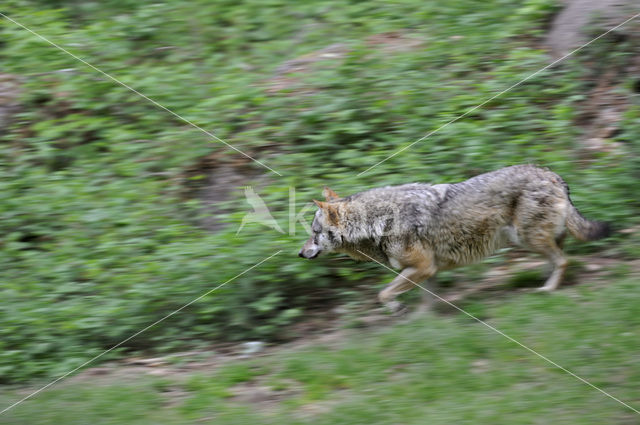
(325, 229)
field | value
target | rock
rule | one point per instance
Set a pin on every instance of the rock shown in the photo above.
(252, 347)
(151, 362)
(568, 28)
(593, 267)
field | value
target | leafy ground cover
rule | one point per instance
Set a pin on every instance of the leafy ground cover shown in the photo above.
(102, 226)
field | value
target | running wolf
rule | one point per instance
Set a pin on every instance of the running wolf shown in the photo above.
(420, 228)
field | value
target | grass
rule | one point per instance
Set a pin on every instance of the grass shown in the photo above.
(437, 369)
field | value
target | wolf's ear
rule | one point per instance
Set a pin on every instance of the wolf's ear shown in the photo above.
(320, 204)
(330, 209)
(329, 194)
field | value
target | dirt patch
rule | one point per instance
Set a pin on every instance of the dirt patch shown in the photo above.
(262, 397)
(286, 78)
(215, 180)
(316, 408)
(601, 113)
(393, 42)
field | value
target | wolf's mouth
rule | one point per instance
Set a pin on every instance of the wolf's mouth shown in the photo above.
(301, 254)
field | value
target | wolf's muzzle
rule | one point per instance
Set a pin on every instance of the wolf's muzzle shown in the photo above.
(309, 253)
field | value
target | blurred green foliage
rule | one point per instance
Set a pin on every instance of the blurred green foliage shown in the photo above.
(100, 235)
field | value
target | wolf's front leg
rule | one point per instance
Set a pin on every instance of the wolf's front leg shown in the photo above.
(406, 280)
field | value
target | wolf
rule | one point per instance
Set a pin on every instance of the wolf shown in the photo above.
(420, 229)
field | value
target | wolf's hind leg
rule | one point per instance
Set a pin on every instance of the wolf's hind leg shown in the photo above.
(559, 264)
(552, 251)
(541, 229)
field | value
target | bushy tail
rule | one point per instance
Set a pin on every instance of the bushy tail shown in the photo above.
(586, 230)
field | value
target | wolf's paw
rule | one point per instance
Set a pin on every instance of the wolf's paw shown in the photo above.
(543, 290)
(422, 310)
(396, 308)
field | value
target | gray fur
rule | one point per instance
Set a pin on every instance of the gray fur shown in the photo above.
(421, 228)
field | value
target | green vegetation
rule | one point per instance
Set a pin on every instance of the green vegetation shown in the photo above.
(435, 370)
(102, 226)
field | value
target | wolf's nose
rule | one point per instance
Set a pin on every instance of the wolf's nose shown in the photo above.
(300, 254)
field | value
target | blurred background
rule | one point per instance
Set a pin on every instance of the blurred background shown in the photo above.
(114, 212)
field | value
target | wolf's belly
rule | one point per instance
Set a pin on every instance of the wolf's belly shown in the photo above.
(468, 248)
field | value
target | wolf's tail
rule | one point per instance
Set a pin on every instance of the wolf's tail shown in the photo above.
(586, 230)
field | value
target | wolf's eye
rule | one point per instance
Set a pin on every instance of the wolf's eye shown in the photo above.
(330, 234)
